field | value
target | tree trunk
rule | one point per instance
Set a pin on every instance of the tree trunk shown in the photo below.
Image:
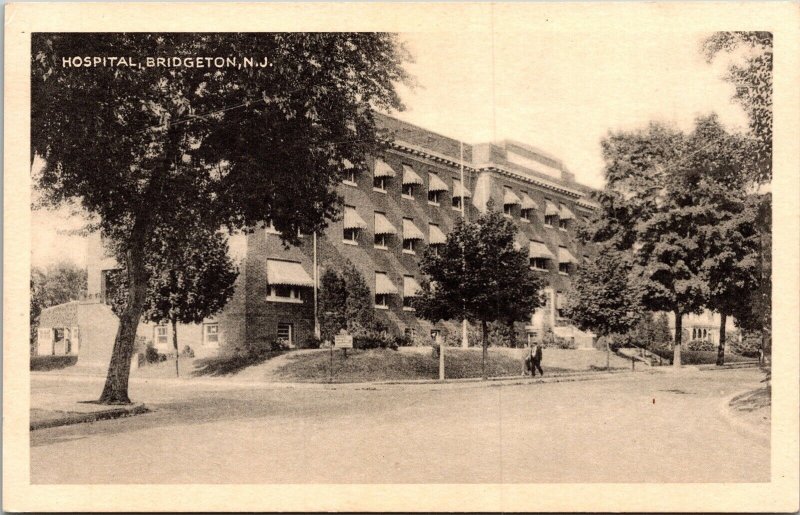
(485, 328)
(721, 349)
(608, 355)
(513, 336)
(676, 348)
(115, 390)
(175, 344)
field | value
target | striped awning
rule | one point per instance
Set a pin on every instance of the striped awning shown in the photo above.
(528, 202)
(509, 197)
(565, 214)
(550, 208)
(565, 256)
(537, 249)
(411, 231)
(460, 191)
(410, 176)
(383, 225)
(435, 235)
(382, 169)
(287, 273)
(410, 286)
(383, 285)
(436, 184)
(352, 220)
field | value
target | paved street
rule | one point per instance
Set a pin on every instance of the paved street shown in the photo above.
(665, 427)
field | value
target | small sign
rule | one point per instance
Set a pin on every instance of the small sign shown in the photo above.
(343, 340)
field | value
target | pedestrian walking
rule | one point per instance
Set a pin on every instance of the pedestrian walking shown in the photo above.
(527, 359)
(536, 360)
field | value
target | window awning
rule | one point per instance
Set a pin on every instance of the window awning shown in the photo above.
(460, 191)
(382, 169)
(565, 256)
(565, 214)
(509, 197)
(539, 250)
(352, 220)
(435, 235)
(411, 231)
(436, 184)
(383, 225)
(550, 208)
(383, 285)
(410, 286)
(287, 273)
(410, 176)
(528, 202)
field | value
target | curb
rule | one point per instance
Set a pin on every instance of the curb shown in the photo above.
(738, 425)
(71, 418)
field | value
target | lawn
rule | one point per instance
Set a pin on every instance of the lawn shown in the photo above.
(419, 363)
(694, 357)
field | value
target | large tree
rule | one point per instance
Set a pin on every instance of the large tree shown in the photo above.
(137, 145)
(603, 298)
(191, 279)
(53, 285)
(649, 197)
(345, 302)
(479, 275)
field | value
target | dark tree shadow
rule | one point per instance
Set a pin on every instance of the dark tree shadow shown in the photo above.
(228, 365)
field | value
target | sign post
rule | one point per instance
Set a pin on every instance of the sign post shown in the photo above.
(344, 341)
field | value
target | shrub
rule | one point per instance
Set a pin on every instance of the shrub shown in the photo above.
(278, 345)
(187, 352)
(749, 346)
(151, 354)
(701, 345)
(312, 343)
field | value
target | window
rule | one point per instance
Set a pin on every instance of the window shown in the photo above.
(382, 301)
(433, 197)
(563, 224)
(550, 220)
(408, 302)
(350, 177)
(211, 334)
(408, 191)
(435, 249)
(410, 246)
(539, 263)
(286, 333)
(525, 214)
(162, 336)
(351, 235)
(284, 293)
(381, 241)
(563, 268)
(456, 202)
(560, 305)
(379, 183)
(508, 209)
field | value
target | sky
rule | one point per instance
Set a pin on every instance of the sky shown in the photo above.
(559, 91)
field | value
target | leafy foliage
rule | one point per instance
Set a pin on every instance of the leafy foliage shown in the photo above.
(751, 74)
(189, 281)
(603, 298)
(479, 275)
(151, 151)
(345, 302)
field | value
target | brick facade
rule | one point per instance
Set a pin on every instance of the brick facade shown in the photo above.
(252, 318)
